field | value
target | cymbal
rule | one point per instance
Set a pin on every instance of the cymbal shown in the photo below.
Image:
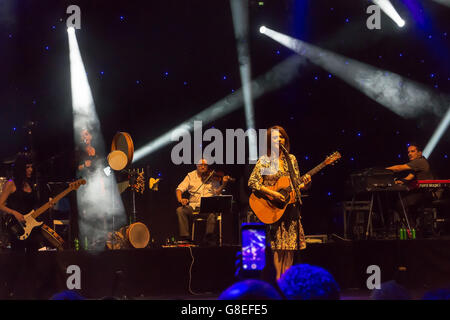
(13, 158)
(9, 160)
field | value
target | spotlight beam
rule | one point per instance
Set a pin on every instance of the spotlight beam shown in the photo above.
(443, 2)
(437, 135)
(389, 9)
(99, 198)
(286, 70)
(239, 10)
(401, 95)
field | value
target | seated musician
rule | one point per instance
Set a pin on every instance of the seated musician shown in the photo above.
(198, 183)
(417, 168)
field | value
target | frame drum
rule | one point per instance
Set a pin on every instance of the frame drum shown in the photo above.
(122, 142)
(135, 235)
(52, 237)
(117, 160)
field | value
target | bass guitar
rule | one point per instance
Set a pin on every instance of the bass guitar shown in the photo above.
(270, 210)
(22, 229)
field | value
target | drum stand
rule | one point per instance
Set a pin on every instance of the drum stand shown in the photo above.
(113, 211)
(133, 178)
(133, 219)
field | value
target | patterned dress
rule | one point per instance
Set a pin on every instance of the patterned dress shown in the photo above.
(287, 233)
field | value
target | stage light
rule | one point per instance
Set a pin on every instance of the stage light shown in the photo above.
(389, 9)
(262, 29)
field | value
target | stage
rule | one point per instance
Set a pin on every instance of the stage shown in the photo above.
(202, 273)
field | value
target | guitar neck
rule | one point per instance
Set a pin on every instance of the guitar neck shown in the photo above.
(315, 170)
(46, 206)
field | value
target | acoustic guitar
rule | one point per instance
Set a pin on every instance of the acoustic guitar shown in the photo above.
(270, 210)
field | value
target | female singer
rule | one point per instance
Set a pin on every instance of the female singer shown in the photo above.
(286, 235)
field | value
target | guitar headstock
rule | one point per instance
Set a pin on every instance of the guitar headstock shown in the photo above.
(75, 185)
(332, 158)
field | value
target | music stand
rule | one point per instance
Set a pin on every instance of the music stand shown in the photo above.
(217, 204)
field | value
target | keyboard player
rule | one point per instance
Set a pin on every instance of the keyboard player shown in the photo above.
(417, 168)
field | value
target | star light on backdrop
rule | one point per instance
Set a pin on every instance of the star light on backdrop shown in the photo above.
(239, 10)
(389, 9)
(433, 38)
(405, 97)
(99, 199)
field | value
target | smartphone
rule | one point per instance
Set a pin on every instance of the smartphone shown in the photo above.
(253, 246)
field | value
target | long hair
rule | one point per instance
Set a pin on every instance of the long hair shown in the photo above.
(20, 170)
(283, 133)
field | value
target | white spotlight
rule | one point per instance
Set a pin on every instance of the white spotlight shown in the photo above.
(405, 97)
(437, 135)
(389, 9)
(262, 29)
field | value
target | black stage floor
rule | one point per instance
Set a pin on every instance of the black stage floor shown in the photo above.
(202, 273)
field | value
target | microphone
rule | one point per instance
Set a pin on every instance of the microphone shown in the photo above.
(283, 148)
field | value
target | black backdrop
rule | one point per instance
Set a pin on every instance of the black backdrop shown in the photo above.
(129, 47)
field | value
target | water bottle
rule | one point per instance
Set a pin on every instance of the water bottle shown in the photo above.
(402, 234)
(413, 233)
(77, 244)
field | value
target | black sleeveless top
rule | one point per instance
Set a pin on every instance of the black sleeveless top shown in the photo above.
(22, 201)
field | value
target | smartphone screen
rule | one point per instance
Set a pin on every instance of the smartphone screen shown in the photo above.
(253, 247)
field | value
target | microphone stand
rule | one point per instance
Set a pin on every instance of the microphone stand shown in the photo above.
(29, 126)
(295, 184)
(133, 196)
(292, 175)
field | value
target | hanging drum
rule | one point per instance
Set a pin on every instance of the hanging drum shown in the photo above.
(122, 151)
(135, 235)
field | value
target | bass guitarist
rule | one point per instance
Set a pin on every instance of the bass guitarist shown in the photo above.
(286, 234)
(19, 197)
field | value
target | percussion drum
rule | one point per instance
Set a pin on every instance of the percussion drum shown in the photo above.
(52, 237)
(135, 235)
(122, 142)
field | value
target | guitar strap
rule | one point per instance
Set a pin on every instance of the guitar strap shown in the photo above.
(295, 185)
(292, 174)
